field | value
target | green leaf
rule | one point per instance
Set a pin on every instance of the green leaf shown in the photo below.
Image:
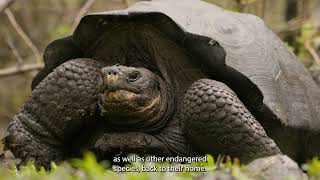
(313, 169)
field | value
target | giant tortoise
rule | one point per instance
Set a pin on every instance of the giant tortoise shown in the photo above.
(169, 78)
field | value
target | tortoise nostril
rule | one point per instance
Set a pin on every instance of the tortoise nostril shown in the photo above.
(111, 72)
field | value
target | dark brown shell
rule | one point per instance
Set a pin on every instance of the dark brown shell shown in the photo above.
(236, 48)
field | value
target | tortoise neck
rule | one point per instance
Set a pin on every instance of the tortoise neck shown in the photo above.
(152, 118)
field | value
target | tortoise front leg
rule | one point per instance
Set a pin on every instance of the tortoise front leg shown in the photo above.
(108, 145)
(59, 106)
(218, 123)
(169, 141)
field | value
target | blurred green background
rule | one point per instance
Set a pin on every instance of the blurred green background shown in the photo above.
(27, 26)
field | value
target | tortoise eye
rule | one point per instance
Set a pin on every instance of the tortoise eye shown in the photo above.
(134, 76)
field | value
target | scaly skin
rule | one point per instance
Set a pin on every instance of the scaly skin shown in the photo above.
(64, 103)
(216, 122)
(213, 120)
(108, 145)
(170, 141)
(60, 105)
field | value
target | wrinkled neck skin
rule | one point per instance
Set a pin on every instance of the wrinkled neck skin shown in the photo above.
(150, 118)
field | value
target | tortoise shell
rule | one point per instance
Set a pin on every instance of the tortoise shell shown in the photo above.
(187, 40)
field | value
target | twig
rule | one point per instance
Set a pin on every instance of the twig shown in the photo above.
(14, 50)
(20, 69)
(5, 3)
(264, 5)
(23, 35)
(312, 51)
(295, 23)
(292, 25)
(85, 8)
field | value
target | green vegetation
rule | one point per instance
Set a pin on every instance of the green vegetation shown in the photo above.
(61, 31)
(305, 39)
(313, 168)
(89, 168)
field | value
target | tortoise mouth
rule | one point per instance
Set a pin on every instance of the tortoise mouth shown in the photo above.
(117, 96)
(122, 102)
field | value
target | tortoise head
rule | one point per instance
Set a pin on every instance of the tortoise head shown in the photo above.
(133, 97)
